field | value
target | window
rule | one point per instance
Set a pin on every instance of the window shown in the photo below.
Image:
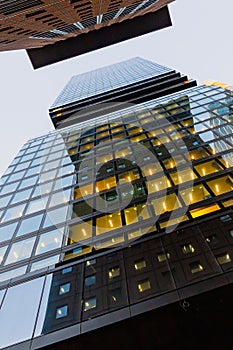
(115, 295)
(225, 218)
(108, 222)
(183, 176)
(64, 288)
(20, 250)
(49, 241)
(29, 225)
(89, 304)
(66, 270)
(188, 248)
(13, 213)
(223, 258)
(144, 285)
(62, 312)
(80, 232)
(195, 194)
(90, 280)
(6, 232)
(140, 264)
(166, 204)
(91, 262)
(212, 240)
(114, 272)
(163, 257)
(221, 185)
(196, 267)
(2, 253)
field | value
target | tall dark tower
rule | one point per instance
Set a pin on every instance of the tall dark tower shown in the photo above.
(116, 228)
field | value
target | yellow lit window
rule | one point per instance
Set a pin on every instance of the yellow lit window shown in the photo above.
(151, 169)
(102, 134)
(129, 176)
(221, 185)
(224, 258)
(73, 150)
(140, 264)
(87, 146)
(183, 176)
(166, 204)
(122, 153)
(144, 285)
(106, 184)
(155, 132)
(195, 194)
(118, 136)
(171, 163)
(114, 272)
(83, 191)
(88, 139)
(136, 213)
(187, 122)
(158, 184)
(204, 210)
(80, 232)
(163, 257)
(228, 203)
(196, 267)
(134, 130)
(102, 128)
(160, 140)
(104, 158)
(108, 222)
(208, 168)
(175, 221)
(188, 248)
(198, 154)
(147, 120)
(118, 129)
(227, 159)
(138, 138)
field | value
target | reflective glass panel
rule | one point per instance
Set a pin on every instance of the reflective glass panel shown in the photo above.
(49, 241)
(29, 225)
(13, 213)
(2, 253)
(19, 311)
(6, 232)
(20, 250)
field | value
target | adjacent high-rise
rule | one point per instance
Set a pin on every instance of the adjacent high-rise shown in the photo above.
(53, 30)
(116, 228)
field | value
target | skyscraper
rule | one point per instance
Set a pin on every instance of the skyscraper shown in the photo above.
(52, 31)
(116, 228)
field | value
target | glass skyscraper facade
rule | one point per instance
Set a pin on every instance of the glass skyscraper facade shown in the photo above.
(105, 220)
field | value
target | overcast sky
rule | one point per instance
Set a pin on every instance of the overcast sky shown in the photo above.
(198, 44)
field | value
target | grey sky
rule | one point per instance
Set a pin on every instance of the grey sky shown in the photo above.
(198, 44)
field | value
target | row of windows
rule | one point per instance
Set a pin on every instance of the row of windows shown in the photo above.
(161, 164)
(162, 203)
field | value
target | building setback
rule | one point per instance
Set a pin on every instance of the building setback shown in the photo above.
(116, 228)
(52, 31)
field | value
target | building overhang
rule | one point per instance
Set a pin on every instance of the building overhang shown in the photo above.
(100, 38)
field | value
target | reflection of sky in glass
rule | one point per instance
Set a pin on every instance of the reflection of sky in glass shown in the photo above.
(18, 299)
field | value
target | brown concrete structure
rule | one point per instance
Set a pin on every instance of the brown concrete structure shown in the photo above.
(30, 24)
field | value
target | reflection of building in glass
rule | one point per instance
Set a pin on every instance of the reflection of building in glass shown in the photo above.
(225, 130)
(120, 224)
(52, 31)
